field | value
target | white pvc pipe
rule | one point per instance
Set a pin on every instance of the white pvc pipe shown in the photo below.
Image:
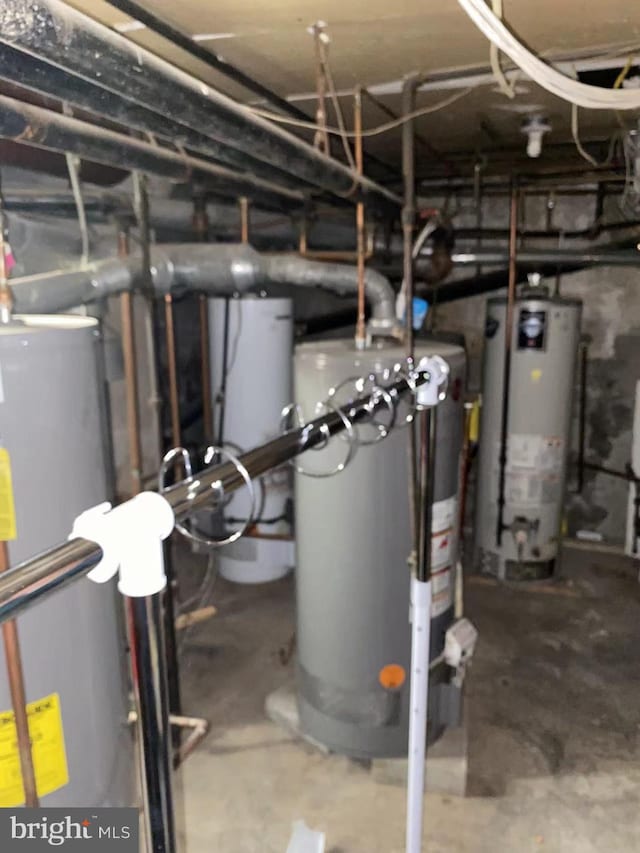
(418, 701)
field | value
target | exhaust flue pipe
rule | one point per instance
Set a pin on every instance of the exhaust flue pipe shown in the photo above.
(213, 269)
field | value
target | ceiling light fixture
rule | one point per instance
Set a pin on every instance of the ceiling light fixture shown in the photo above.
(535, 128)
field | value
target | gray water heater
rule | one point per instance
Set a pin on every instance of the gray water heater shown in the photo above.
(72, 643)
(544, 343)
(353, 539)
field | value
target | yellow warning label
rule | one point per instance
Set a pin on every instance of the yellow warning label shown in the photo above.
(47, 744)
(7, 510)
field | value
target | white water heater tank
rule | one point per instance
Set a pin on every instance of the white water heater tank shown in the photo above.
(251, 369)
(72, 642)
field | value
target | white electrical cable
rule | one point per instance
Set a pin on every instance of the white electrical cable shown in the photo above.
(73, 164)
(374, 131)
(73, 167)
(575, 133)
(590, 97)
(508, 89)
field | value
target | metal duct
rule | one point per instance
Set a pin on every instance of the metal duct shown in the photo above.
(53, 31)
(292, 269)
(213, 269)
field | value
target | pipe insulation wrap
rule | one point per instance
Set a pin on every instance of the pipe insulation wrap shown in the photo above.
(214, 269)
(292, 269)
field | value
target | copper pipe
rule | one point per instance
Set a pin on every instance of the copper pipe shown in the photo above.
(345, 255)
(201, 228)
(302, 244)
(409, 88)
(174, 400)
(508, 332)
(130, 375)
(205, 362)
(199, 730)
(321, 137)
(244, 219)
(361, 329)
(465, 465)
(15, 674)
(6, 296)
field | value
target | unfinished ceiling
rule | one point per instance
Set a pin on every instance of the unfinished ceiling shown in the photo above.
(375, 44)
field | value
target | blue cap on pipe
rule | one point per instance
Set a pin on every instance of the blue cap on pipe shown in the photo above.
(420, 308)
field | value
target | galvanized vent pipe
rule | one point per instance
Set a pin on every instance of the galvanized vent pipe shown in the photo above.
(215, 269)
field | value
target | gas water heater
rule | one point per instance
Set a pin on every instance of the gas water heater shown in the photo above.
(521, 486)
(353, 538)
(72, 643)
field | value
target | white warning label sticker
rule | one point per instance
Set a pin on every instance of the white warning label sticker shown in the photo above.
(441, 591)
(542, 454)
(444, 534)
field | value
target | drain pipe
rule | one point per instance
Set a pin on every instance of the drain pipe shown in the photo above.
(214, 269)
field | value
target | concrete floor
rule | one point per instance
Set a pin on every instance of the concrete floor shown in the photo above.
(554, 715)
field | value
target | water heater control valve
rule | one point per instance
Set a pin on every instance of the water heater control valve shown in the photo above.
(130, 537)
(432, 392)
(459, 644)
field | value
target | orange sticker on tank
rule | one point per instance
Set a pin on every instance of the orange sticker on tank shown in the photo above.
(392, 676)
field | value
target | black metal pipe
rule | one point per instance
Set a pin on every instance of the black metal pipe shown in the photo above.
(168, 31)
(506, 376)
(611, 472)
(172, 672)
(570, 262)
(582, 415)
(147, 643)
(548, 233)
(427, 484)
(70, 40)
(222, 402)
(62, 204)
(41, 128)
(214, 60)
(41, 77)
(602, 254)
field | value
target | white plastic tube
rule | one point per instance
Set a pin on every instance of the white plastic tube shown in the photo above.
(581, 94)
(418, 702)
